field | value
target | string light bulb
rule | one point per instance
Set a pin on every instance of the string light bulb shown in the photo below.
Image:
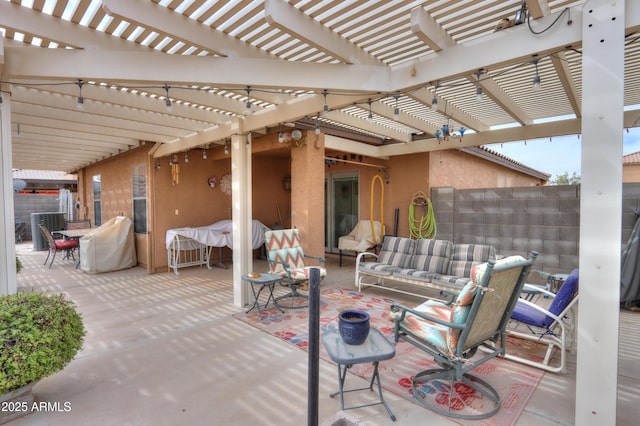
(536, 77)
(80, 100)
(478, 87)
(186, 157)
(370, 116)
(317, 128)
(396, 110)
(168, 104)
(434, 100)
(204, 154)
(325, 108)
(248, 104)
(226, 149)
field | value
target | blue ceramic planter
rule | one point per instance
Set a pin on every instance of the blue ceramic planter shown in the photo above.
(353, 326)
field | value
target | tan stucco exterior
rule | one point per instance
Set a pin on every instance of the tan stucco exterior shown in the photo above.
(190, 201)
(631, 173)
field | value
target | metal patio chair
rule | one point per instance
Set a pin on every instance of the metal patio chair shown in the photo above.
(451, 332)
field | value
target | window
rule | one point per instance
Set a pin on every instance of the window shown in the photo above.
(139, 194)
(97, 200)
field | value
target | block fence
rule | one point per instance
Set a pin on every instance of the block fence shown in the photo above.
(518, 220)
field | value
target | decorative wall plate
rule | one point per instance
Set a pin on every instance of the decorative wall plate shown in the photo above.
(225, 184)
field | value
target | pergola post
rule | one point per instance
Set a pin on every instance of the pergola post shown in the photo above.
(603, 31)
(7, 235)
(241, 211)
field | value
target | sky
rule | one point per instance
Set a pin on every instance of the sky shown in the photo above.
(559, 155)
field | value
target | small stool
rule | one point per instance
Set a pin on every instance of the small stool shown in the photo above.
(263, 281)
(375, 349)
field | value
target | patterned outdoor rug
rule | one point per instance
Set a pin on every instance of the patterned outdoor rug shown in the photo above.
(514, 382)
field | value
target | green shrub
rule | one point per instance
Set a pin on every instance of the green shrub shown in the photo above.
(18, 265)
(39, 335)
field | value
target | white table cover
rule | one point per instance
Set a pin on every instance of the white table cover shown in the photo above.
(218, 234)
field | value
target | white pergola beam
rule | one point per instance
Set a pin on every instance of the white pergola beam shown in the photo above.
(71, 144)
(533, 131)
(36, 131)
(168, 23)
(82, 130)
(449, 110)
(369, 126)
(128, 68)
(163, 123)
(561, 67)
(287, 18)
(105, 124)
(429, 31)
(291, 110)
(116, 96)
(501, 98)
(538, 8)
(65, 33)
(348, 145)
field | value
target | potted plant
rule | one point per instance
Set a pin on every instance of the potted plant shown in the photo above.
(39, 335)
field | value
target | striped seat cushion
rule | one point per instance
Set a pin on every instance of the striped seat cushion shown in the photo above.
(432, 255)
(466, 256)
(397, 251)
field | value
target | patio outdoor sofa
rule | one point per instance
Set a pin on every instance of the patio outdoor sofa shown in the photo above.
(437, 264)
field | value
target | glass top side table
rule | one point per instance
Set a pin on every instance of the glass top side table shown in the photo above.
(262, 281)
(375, 349)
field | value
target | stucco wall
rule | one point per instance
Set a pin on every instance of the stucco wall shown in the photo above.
(406, 175)
(190, 202)
(462, 170)
(631, 173)
(116, 191)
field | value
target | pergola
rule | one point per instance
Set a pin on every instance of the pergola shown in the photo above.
(82, 81)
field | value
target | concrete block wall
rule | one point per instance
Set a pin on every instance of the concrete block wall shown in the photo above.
(25, 204)
(518, 220)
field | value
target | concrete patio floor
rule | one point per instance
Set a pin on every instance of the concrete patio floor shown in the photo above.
(163, 349)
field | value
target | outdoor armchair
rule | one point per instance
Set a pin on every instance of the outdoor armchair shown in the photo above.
(451, 332)
(287, 259)
(360, 238)
(552, 326)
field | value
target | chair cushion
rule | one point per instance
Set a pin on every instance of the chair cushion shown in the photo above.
(376, 268)
(531, 316)
(466, 256)
(478, 271)
(564, 295)
(415, 274)
(397, 251)
(284, 246)
(436, 334)
(66, 244)
(303, 273)
(432, 255)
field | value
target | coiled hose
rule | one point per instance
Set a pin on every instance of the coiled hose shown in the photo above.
(425, 225)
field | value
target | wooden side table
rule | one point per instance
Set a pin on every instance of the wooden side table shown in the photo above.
(375, 349)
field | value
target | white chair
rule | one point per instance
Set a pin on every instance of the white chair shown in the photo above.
(360, 239)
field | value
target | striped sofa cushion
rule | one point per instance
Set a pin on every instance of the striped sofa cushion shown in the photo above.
(397, 251)
(432, 255)
(466, 256)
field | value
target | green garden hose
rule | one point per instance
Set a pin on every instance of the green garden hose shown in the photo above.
(423, 226)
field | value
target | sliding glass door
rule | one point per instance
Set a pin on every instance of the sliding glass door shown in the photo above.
(341, 206)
